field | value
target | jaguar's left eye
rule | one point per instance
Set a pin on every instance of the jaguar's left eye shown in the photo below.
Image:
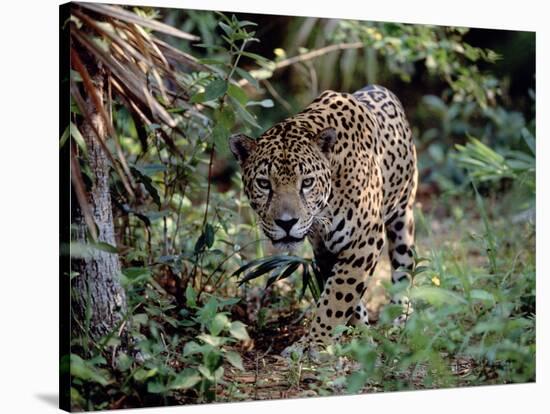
(307, 182)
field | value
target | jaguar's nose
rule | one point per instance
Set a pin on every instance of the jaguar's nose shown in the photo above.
(286, 225)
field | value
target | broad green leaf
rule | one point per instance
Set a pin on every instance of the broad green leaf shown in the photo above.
(124, 362)
(86, 371)
(142, 374)
(225, 116)
(355, 382)
(238, 331)
(192, 347)
(215, 89)
(436, 296)
(136, 272)
(238, 93)
(140, 318)
(220, 135)
(215, 341)
(482, 295)
(156, 387)
(218, 324)
(234, 359)
(198, 98)
(188, 378)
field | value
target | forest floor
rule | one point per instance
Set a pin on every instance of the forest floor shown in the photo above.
(268, 375)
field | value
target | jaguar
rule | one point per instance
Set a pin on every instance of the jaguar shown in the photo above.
(341, 173)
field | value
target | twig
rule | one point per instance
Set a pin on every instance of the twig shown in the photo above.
(276, 95)
(311, 55)
(209, 184)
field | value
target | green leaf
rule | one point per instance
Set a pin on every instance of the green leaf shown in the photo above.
(148, 184)
(256, 57)
(86, 250)
(238, 93)
(142, 374)
(234, 359)
(186, 379)
(86, 371)
(225, 116)
(244, 114)
(198, 98)
(190, 297)
(140, 318)
(156, 387)
(104, 247)
(482, 296)
(192, 347)
(64, 137)
(436, 296)
(356, 381)
(212, 61)
(245, 75)
(244, 23)
(220, 135)
(209, 375)
(226, 28)
(79, 139)
(218, 324)
(136, 275)
(150, 169)
(215, 89)
(215, 341)
(286, 273)
(205, 239)
(209, 235)
(238, 331)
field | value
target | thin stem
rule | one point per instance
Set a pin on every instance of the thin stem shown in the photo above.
(311, 55)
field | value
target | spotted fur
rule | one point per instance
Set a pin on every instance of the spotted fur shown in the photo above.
(343, 174)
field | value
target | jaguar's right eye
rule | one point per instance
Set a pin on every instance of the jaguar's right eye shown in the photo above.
(263, 183)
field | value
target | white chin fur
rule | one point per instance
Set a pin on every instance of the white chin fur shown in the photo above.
(286, 247)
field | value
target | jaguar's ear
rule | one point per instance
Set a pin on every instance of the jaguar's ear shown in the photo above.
(326, 140)
(241, 146)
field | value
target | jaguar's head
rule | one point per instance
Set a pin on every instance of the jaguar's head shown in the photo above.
(286, 177)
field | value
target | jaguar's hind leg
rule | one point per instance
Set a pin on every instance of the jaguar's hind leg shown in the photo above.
(400, 234)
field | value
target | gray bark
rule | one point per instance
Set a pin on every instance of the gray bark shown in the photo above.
(98, 299)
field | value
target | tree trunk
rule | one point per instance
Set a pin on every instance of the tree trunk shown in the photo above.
(98, 299)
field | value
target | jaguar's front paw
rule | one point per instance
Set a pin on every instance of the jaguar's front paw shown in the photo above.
(303, 348)
(296, 350)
